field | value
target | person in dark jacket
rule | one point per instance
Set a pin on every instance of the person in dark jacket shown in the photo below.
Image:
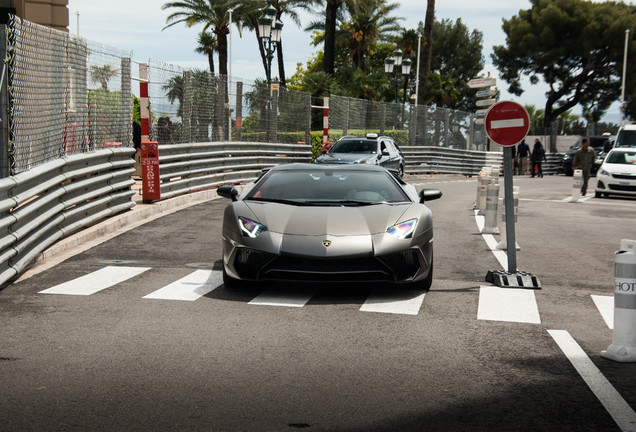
(523, 151)
(537, 157)
(584, 160)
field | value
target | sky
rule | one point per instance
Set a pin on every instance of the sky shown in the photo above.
(137, 26)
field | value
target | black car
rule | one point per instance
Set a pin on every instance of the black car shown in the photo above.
(600, 144)
(372, 149)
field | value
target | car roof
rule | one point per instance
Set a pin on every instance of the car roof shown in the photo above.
(370, 138)
(623, 149)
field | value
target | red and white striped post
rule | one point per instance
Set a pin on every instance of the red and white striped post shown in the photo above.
(144, 105)
(325, 124)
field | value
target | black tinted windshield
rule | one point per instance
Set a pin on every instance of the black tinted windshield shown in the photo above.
(625, 158)
(355, 146)
(316, 187)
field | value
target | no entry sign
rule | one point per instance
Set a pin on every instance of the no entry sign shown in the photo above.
(507, 123)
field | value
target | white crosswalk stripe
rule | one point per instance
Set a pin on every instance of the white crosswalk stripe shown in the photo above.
(189, 288)
(96, 281)
(283, 297)
(398, 301)
(508, 304)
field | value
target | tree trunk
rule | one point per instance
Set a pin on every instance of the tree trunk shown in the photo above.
(427, 52)
(281, 63)
(328, 61)
(222, 38)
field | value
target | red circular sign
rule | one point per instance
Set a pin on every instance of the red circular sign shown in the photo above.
(507, 123)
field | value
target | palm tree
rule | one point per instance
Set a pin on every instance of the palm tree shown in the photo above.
(207, 46)
(103, 74)
(212, 14)
(369, 21)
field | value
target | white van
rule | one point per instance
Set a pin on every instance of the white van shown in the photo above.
(626, 136)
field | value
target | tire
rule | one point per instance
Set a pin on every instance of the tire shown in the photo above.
(598, 194)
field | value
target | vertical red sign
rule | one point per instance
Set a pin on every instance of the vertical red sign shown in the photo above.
(151, 186)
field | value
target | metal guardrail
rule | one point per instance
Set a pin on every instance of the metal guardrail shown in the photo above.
(184, 168)
(440, 160)
(53, 200)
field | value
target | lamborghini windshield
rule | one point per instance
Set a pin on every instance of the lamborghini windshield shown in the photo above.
(328, 187)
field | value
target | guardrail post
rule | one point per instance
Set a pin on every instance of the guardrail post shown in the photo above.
(239, 110)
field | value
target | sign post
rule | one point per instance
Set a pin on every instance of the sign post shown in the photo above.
(507, 123)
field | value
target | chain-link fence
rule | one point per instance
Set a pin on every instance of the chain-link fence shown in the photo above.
(66, 95)
(70, 95)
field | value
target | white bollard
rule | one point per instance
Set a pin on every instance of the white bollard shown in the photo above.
(492, 204)
(482, 172)
(577, 182)
(484, 181)
(503, 244)
(623, 347)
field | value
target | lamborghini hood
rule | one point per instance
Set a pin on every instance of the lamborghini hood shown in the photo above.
(336, 221)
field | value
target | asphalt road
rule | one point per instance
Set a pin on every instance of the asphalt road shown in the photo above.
(234, 361)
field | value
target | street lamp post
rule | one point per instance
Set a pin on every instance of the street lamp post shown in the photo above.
(406, 72)
(389, 66)
(270, 30)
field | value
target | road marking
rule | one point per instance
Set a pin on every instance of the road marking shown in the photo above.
(605, 305)
(621, 412)
(96, 281)
(508, 304)
(191, 287)
(399, 301)
(491, 242)
(283, 297)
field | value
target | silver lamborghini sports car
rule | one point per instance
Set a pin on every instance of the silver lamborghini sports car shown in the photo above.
(328, 223)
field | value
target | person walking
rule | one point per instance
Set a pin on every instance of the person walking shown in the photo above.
(584, 160)
(523, 151)
(537, 157)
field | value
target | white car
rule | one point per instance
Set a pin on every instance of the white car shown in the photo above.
(617, 175)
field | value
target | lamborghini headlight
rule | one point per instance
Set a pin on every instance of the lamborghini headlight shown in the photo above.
(403, 230)
(249, 228)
